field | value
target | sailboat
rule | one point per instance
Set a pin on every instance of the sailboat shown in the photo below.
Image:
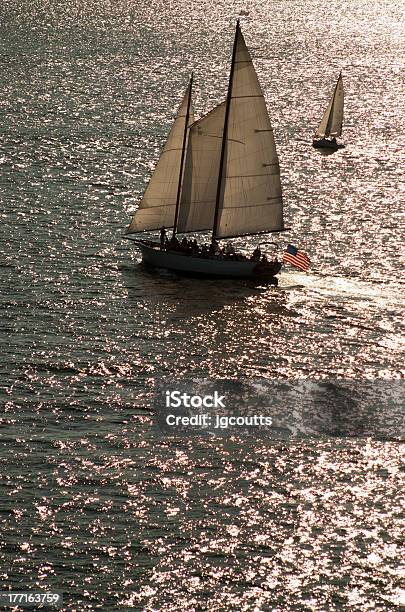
(219, 173)
(332, 121)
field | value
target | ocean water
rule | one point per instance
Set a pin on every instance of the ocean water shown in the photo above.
(97, 503)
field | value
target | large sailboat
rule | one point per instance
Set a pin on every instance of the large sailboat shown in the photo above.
(220, 173)
(332, 121)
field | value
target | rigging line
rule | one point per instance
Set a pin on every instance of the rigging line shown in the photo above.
(167, 150)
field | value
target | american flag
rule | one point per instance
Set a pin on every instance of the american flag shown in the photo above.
(296, 258)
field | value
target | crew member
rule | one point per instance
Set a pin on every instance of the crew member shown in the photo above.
(162, 236)
(256, 254)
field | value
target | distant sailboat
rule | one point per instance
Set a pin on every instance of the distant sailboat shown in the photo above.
(220, 173)
(332, 121)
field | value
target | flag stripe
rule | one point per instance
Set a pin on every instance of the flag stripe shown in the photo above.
(292, 260)
(305, 262)
(296, 258)
(302, 256)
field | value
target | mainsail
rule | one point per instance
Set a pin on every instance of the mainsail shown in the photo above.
(250, 199)
(158, 205)
(332, 120)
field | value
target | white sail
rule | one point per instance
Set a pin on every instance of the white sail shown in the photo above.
(158, 205)
(251, 199)
(332, 120)
(201, 171)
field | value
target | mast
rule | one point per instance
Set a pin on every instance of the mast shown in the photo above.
(224, 136)
(183, 152)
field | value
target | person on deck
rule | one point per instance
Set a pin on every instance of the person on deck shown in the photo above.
(256, 254)
(162, 237)
(229, 249)
(174, 244)
(195, 247)
(214, 247)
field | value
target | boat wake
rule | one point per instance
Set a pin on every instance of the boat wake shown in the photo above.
(343, 288)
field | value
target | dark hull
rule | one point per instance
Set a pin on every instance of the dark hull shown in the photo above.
(324, 143)
(209, 267)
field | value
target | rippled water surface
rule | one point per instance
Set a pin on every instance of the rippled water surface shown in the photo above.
(95, 503)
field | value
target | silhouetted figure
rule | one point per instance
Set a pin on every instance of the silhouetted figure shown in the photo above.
(229, 249)
(174, 244)
(162, 237)
(256, 254)
(214, 248)
(195, 248)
